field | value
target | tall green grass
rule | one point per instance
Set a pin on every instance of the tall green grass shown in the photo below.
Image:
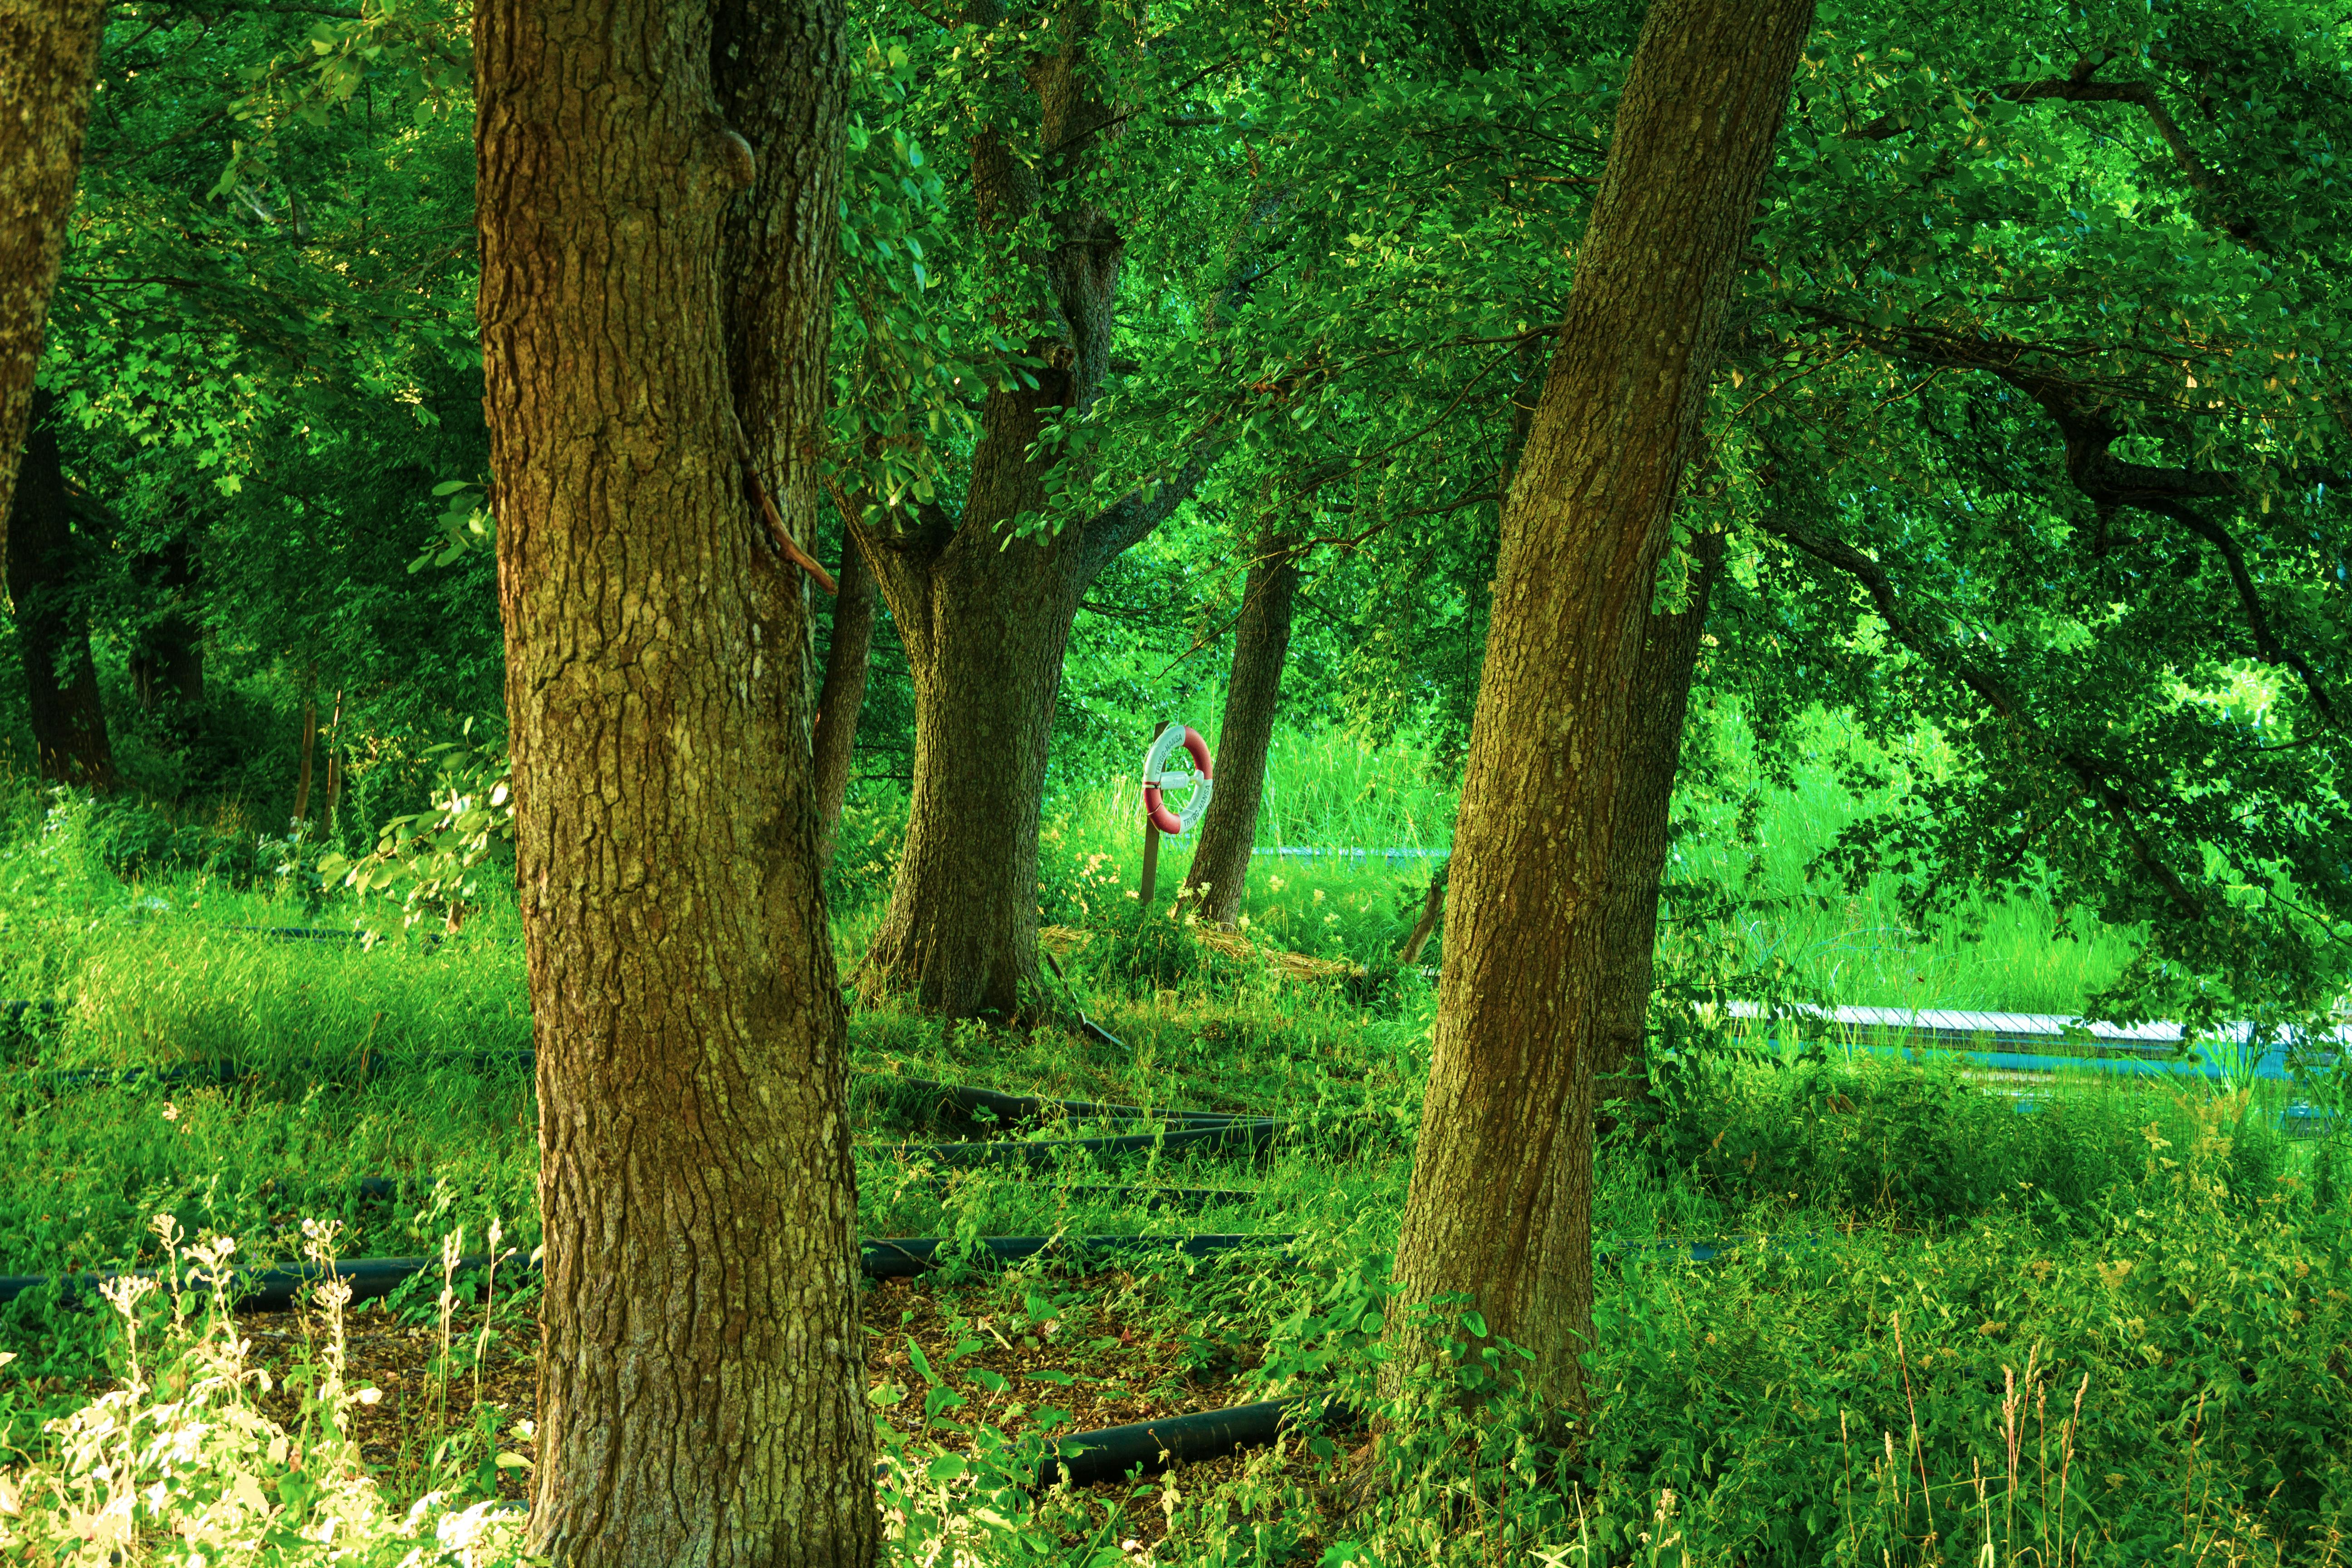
(1331, 789)
(1861, 947)
(1735, 1391)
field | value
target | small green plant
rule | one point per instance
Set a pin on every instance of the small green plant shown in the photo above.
(1149, 949)
(439, 865)
(181, 1451)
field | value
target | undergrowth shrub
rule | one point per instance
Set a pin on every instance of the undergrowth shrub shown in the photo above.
(2166, 1390)
(1923, 1145)
(865, 850)
(1148, 950)
(180, 1452)
(125, 837)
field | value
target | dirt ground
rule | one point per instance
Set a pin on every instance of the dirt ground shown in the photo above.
(1084, 1361)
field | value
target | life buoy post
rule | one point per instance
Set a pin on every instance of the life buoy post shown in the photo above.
(1160, 780)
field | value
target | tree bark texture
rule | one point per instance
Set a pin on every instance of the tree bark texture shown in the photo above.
(48, 52)
(659, 185)
(1657, 698)
(985, 620)
(984, 633)
(838, 700)
(1501, 1203)
(309, 752)
(1220, 870)
(47, 581)
(167, 657)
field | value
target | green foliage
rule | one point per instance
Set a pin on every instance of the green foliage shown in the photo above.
(1150, 948)
(181, 1448)
(445, 863)
(1914, 1148)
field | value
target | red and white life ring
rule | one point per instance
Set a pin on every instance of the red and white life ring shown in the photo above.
(1155, 776)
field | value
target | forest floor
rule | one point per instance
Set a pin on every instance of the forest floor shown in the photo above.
(2037, 1332)
(1081, 1366)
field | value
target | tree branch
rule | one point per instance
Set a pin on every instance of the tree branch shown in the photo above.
(1443, 508)
(2110, 483)
(1160, 96)
(1127, 520)
(111, 161)
(2087, 771)
(2078, 88)
(783, 539)
(2266, 643)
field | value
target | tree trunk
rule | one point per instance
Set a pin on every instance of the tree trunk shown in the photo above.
(309, 749)
(655, 304)
(985, 616)
(48, 51)
(46, 585)
(844, 692)
(1501, 1204)
(167, 657)
(1220, 872)
(985, 641)
(1658, 700)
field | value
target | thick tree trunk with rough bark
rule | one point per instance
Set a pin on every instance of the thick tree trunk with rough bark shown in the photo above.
(1501, 1204)
(47, 581)
(654, 305)
(847, 660)
(1657, 698)
(984, 633)
(985, 620)
(167, 659)
(1220, 871)
(48, 52)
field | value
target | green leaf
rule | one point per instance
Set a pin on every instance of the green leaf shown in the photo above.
(945, 1467)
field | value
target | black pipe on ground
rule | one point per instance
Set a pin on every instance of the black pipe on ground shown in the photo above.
(965, 1097)
(67, 1080)
(1029, 1106)
(225, 1073)
(273, 1289)
(298, 934)
(1255, 1134)
(383, 1189)
(1148, 1446)
(427, 940)
(1152, 1199)
(267, 1289)
(911, 1256)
